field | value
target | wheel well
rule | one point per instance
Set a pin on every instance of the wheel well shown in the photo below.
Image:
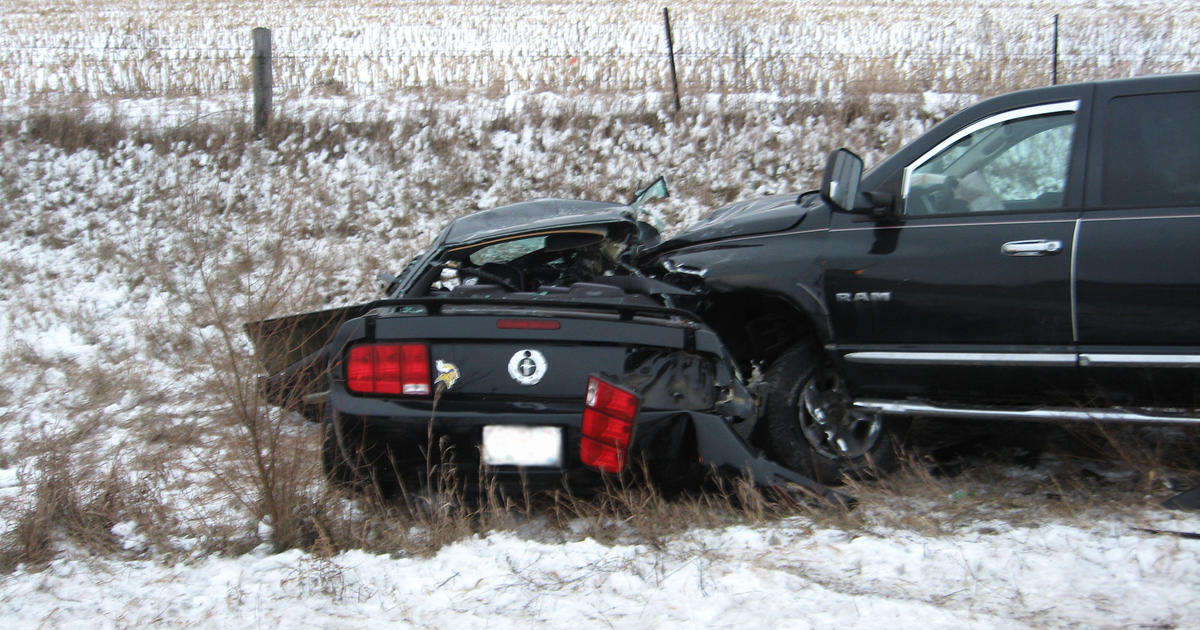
(755, 327)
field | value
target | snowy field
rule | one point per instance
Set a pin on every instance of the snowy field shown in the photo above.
(142, 481)
(788, 575)
(187, 47)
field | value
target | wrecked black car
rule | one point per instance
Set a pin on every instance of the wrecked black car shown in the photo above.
(524, 349)
(1029, 258)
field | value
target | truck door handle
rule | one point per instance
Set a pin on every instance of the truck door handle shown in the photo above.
(1031, 248)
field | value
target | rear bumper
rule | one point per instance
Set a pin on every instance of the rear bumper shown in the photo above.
(663, 448)
(674, 449)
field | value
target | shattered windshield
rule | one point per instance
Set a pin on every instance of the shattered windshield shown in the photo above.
(507, 251)
(533, 262)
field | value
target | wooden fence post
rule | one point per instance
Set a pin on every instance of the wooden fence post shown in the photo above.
(671, 54)
(262, 79)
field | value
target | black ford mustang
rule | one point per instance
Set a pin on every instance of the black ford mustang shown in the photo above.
(524, 348)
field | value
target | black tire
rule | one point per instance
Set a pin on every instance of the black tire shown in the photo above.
(351, 458)
(811, 427)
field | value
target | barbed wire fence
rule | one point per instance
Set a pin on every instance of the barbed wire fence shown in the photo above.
(117, 69)
(108, 72)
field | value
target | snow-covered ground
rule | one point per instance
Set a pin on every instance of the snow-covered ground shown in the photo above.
(140, 232)
(789, 575)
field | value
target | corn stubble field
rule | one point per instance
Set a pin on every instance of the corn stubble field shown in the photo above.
(144, 223)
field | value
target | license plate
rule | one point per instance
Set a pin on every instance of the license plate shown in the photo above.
(505, 445)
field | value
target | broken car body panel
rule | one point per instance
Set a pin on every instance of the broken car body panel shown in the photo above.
(512, 311)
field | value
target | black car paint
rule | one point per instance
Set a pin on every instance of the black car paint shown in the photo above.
(906, 307)
(691, 398)
(1014, 330)
(695, 412)
(744, 218)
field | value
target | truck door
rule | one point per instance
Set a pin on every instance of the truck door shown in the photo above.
(1138, 261)
(973, 278)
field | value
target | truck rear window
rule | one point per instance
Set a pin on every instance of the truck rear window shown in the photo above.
(1152, 150)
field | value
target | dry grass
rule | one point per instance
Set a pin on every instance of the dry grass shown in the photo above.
(77, 503)
(644, 515)
(957, 477)
(569, 46)
(77, 506)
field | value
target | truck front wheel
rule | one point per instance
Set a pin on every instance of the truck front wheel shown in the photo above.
(812, 426)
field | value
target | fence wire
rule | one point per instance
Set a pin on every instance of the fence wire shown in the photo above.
(122, 70)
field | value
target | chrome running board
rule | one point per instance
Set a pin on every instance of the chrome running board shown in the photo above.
(1065, 414)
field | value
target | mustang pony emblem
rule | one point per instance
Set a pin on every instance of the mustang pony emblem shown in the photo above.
(527, 367)
(448, 374)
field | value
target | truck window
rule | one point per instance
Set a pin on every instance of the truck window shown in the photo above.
(1152, 150)
(1012, 163)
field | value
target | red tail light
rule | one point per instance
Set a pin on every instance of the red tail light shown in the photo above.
(608, 419)
(389, 368)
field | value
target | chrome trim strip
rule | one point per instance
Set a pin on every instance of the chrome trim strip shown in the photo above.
(1136, 217)
(1140, 360)
(1024, 112)
(961, 358)
(1150, 416)
(1073, 279)
(958, 223)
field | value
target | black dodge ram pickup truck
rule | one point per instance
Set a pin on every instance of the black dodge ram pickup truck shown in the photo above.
(1032, 257)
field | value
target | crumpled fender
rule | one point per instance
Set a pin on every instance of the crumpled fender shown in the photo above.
(722, 449)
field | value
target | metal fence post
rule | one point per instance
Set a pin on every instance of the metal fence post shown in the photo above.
(671, 55)
(262, 79)
(1054, 63)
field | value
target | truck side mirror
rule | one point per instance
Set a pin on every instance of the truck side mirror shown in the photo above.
(839, 188)
(843, 174)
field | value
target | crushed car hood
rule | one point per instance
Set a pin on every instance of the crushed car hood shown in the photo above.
(742, 218)
(532, 216)
(283, 341)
